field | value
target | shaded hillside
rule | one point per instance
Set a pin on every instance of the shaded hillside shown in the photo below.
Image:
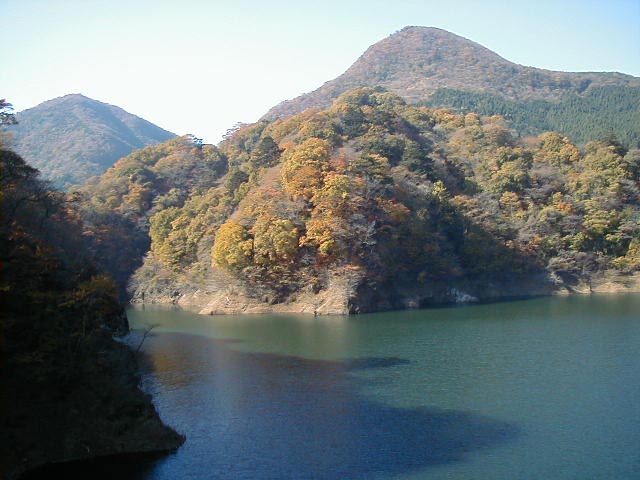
(69, 390)
(72, 138)
(116, 206)
(374, 204)
(417, 61)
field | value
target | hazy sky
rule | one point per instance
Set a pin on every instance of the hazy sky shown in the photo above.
(200, 66)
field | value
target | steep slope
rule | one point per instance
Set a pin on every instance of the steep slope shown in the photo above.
(117, 205)
(418, 61)
(373, 204)
(72, 138)
(69, 390)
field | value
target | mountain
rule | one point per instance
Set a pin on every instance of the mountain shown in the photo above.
(72, 138)
(417, 62)
(374, 204)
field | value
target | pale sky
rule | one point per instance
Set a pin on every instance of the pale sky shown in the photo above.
(201, 66)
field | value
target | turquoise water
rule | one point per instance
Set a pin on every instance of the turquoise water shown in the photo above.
(538, 389)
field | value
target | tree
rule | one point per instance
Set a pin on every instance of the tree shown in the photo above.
(304, 167)
(266, 153)
(233, 248)
(556, 150)
(7, 117)
(275, 241)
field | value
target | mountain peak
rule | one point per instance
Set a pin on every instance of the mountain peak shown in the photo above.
(69, 97)
(421, 30)
(432, 38)
(74, 137)
(417, 61)
(73, 99)
(78, 96)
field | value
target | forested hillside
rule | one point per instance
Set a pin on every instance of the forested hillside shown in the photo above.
(430, 66)
(117, 206)
(602, 112)
(72, 138)
(69, 391)
(381, 204)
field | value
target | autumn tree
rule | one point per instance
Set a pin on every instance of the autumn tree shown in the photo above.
(233, 247)
(275, 241)
(304, 167)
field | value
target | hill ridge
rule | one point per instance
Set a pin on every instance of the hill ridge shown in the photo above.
(415, 62)
(74, 137)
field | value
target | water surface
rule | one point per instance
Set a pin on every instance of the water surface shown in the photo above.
(538, 389)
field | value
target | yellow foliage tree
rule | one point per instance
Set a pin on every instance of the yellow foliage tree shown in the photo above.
(304, 166)
(335, 194)
(275, 240)
(556, 150)
(233, 248)
(326, 232)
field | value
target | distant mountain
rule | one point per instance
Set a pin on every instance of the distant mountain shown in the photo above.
(417, 62)
(72, 138)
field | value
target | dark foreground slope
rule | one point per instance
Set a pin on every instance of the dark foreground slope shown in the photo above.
(72, 138)
(423, 64)
(373, 204)
(69, 390)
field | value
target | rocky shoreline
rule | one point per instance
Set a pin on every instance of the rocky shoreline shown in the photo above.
(348, 293)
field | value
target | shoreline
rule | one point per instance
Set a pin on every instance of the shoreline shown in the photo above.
(105, 417)
(223, 302)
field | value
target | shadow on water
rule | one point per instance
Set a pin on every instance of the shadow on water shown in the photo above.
(259, 415)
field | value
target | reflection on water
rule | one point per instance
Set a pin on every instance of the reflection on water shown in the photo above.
(257, 415)
(547, 388)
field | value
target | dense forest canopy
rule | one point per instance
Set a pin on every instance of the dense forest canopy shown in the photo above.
(392, 193)
(601, 112)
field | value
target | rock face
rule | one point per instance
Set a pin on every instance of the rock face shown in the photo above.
(223, 294)
(417, 61)
(348, 293)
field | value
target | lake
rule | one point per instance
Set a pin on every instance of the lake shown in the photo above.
(547, 388)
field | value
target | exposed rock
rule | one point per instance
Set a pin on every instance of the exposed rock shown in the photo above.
(347, 292)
